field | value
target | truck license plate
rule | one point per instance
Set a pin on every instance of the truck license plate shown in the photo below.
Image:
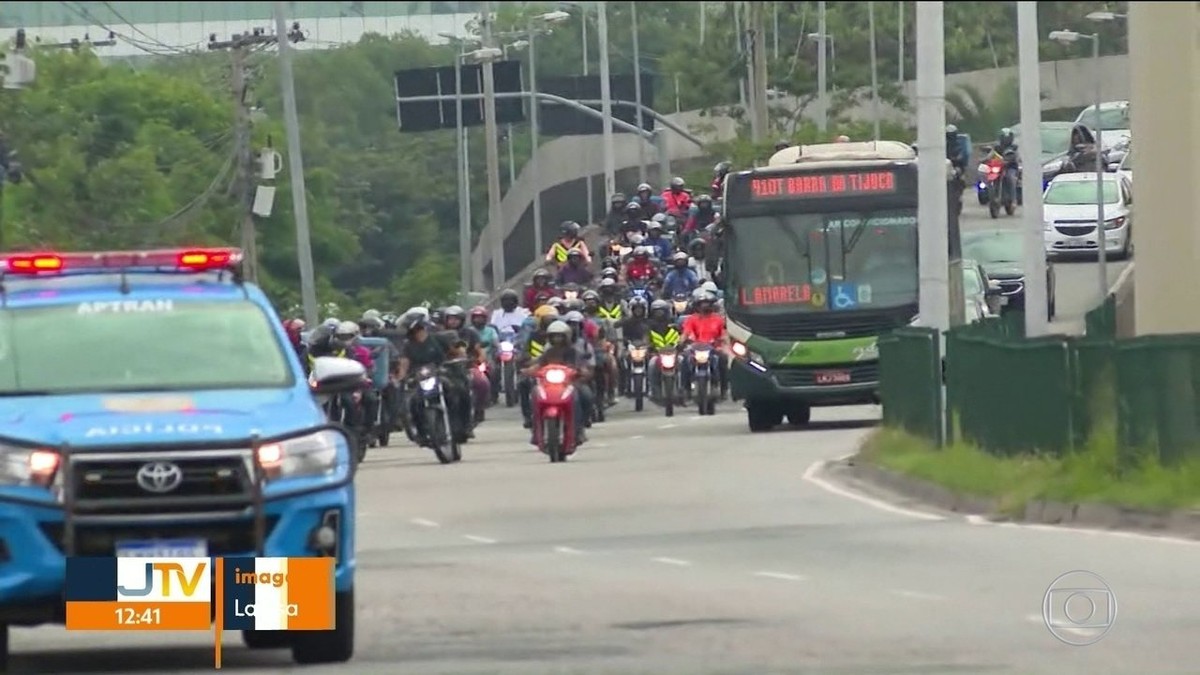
(832, 377)
(162, 548)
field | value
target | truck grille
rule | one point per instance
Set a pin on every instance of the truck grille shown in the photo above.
(225, 538)
(825, 325)
(805, 376)
(111, 486)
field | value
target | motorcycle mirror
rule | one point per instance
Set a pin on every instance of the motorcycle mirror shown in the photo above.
(335, 375)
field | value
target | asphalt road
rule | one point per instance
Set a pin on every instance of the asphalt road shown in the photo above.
(691, 546)
(1077, 280)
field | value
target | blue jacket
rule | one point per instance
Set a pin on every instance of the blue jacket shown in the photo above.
(680, 281)
(662, 247)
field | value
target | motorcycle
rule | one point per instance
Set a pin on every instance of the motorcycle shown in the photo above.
(336, 413)
(668, 378)
(432, 417)
(636, 367)
(554, 412)
(999, 184)
(703, 366)
(381, 380)
(508, 370)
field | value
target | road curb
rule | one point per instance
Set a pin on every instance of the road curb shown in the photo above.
(1184, 523)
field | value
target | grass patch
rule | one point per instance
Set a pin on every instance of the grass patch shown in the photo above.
(1093, 475)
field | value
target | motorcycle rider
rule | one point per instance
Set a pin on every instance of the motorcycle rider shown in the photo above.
(373, 325)
(676, 199)
(559, 351)
(650, 203)
(531, 349)
(717, 187)
(510, 315)
(489, 341)
(539, 289)
(657, 240)
(634, 327)
(360, 413)
(663, 334)
(1081, 155)
(463, 350)
(706, 326)
(700, 218)
(682, 278)
(569, 241)
(420, 349)
(575, 271)
(698, 258)
(635, 221)
(957, 152)
(615, 215)
(583, 346)
(610, 307)
(640, 268)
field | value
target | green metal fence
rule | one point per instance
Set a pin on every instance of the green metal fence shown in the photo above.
(910, 381)
(1158, 396)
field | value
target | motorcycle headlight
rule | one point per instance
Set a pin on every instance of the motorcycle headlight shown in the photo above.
(506, 346)
(701, 357)
(28, 466)
(556, 376)
(637, 353)
(668, 360)
(312, 455)
(982, 168)
(428, 383)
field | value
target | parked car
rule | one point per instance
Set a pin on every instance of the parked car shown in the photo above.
(1069, 208)
(1000, 252)
(1125, 167)
(982, 294)
(1055, 137)
(1112, 121)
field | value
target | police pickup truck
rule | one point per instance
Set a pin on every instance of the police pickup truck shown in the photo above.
(151, 406)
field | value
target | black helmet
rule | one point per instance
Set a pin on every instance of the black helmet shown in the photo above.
(661, 307)
(570, 227)
(574, 253)
(542, 275)
(782, 144)
(704, 199)
(610, 273)
(638, 303)
(610, 262)
(633, 208)
(696, 247)
(509, 299)
(721, 169)
(1007, 136)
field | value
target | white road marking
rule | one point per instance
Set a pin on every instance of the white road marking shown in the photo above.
(1037, 618)
(779, 575)
(636, 438)
(478, 539)
(1088, 531)
(672, 561)
(423, 522)
(600, 445)
(916, 595)
(667, 426)
(811, 475)
(976, 519)
(567, 550)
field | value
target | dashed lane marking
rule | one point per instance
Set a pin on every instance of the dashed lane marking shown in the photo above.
(672, 561)
(567, 550)
(424, 522)
(783, 576)
(478, 539)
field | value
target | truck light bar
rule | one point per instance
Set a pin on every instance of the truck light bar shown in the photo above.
(184, 260)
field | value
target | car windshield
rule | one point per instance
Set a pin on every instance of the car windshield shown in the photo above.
(993, 247)
(1127, 161)
(1056, 138)
(152, 345)
(833, 261)
(1078, 192)
(1111, 119)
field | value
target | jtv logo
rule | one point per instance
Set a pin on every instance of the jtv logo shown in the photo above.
(164, 580)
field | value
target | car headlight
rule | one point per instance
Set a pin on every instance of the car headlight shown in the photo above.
(312, 455)
(428, 384)
(28, 466)
(1049, 226)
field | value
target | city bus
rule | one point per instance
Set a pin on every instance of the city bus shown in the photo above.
(820, 260)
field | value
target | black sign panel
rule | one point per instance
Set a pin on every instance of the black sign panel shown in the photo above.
(560, 120)
(892, 181)
(433, 115)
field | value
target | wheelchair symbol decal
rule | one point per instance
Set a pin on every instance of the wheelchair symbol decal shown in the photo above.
(845, 296)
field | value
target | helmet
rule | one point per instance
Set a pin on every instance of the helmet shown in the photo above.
(590, 296)
(607, 284)
(559, 329)
(544, 311)
(843, 139)
(372, 315)
(679, 256)
(951, 129)
(413, 321)
(479, 310)
(782, 144)
(609, 274)
(418, 310)
(658, 220)
(573, 317)
(542, 275)
(569, 227)
(677, 183)
(696, 246)
(641, 252)
(330, 323)
(709, 287)
(660, 306)
(509, 299)
(574, 305)
(555, 302)
(636, 239)
(346, 331)
(574, 254)
(1007, 135)
(704, 199)
(645, 187)
(632, 208)
(721, 169)
(617, 198)
(636, 303)
(454, 312)
(610, 261)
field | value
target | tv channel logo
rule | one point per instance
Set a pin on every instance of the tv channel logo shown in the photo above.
(164, 580)
(1079, 608)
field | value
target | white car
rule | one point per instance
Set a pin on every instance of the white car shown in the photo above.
(1125, 168)
(1113, 122)
(1069, 211)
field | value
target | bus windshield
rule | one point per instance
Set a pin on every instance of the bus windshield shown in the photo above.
(819, 262)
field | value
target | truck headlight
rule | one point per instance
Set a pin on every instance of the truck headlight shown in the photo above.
(28, 466)
(312, 455)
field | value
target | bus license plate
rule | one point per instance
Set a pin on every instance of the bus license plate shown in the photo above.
(832, 377)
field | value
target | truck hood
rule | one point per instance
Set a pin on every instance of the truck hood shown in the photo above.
(156, 418)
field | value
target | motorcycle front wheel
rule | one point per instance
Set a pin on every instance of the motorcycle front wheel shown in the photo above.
(668, 392)
(552, 439)
(440, 440)
(702, 396)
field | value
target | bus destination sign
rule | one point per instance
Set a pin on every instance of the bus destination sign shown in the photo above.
(815, 186)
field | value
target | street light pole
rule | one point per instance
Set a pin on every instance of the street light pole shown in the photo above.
(495, 214)
(874, 70)
(591, 192)
(637, 94)
(535, 170)
(464, 220)
(822, 85)
(610, 171)
(1037, 302)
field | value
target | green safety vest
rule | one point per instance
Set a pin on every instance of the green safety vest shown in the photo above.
(536, 348)
(312, 359)
(612, 313)
(669, 338)
(561, 252)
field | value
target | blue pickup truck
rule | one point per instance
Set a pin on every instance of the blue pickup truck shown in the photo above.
(151, 405)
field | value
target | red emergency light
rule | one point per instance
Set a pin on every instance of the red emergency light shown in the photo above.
(184, 260)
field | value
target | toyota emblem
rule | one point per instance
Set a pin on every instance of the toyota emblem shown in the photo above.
(159, 477)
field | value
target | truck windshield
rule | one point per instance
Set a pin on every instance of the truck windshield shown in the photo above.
(139, 345)
(818, 262)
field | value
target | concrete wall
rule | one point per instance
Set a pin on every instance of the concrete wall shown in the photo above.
(566, 162)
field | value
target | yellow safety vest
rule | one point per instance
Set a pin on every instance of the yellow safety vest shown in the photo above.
(536, 348)
(312, 359)
(612, 313)
(670, 338)
(561, 252)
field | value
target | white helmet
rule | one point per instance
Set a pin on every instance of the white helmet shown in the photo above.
(330, 323)
(346, 330)
(559, 328)
(710, 287)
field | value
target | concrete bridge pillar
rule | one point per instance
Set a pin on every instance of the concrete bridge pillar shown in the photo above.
(1164, 68)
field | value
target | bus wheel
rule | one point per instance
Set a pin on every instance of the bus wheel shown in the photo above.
(763, 416)
(799, 415)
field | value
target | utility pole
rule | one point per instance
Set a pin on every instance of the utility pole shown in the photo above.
(637, 94)
(610, 164)
(758, 26)
(239, 46)
(822, 85)
(495, 214)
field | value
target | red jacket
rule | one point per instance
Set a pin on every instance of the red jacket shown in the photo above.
(677, 203)
(709, 328)
(532, 292)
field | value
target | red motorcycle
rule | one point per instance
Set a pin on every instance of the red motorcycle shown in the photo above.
(554, 411)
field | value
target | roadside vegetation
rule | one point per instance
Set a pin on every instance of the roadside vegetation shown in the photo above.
(1091, 475)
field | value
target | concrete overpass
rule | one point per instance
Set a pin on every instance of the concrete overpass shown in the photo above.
(568, 162)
